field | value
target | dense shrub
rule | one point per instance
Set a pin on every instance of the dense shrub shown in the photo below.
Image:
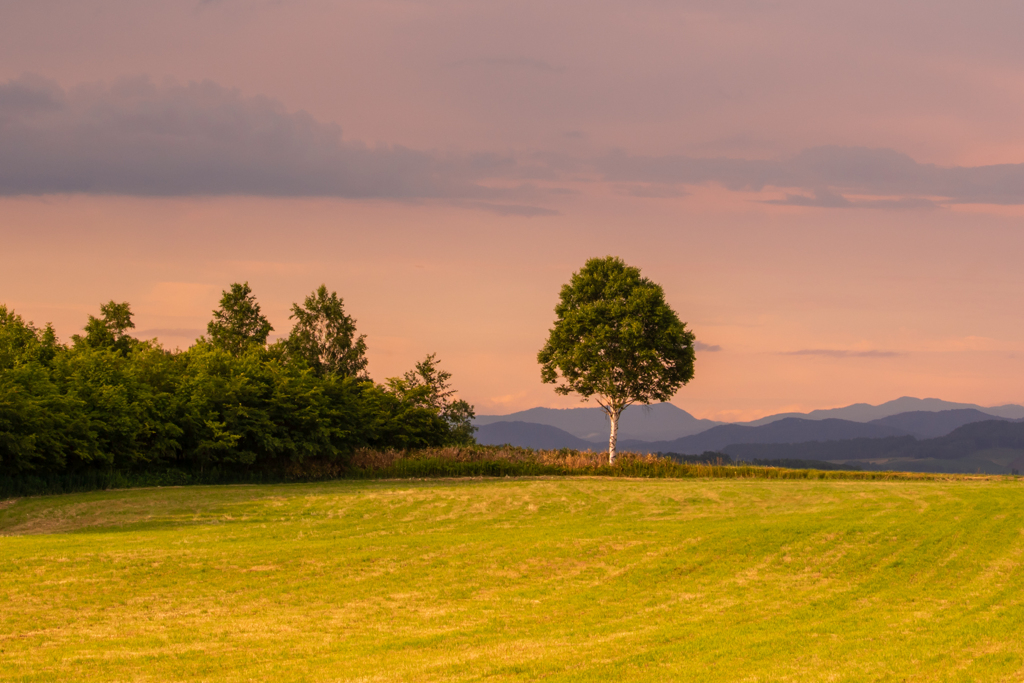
(111, 409)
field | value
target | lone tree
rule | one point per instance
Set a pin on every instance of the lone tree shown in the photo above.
(238, 322)
(326, 337)
(617, 340)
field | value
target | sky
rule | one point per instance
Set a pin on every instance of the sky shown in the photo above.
(830, 193)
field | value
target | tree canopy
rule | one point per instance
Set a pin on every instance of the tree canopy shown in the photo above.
(228, 404)
(110, 330)
(238, 323)
(616, 339)
(429, 386)
(325, 337)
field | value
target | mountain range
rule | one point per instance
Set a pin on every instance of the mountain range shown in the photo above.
(530, 435)
(992, 446)
(934, 438)
(648, 423)
(864, 412)
(664, 426)
(790, 430)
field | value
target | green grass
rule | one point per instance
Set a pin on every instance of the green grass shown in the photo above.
(581, 578)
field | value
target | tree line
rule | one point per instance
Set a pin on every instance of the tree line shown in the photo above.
(109, 401)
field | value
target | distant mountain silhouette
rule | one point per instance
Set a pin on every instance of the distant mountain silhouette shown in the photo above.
(790, 430)
(863, 412)
(992, 446)
(929, 425)
(786, 430)
(645, 423)
(838, 450)
(529, 435)
(641, 426)
(977, 436)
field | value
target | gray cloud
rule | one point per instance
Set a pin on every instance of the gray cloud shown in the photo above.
(136, 137)
(826, 199)
(651, 190)
(29, 96)
(701, 346)
(888, 179)
(843, 353)
(510, 209)
(139, 138)
(509, 63)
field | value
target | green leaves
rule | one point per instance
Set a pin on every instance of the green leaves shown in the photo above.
(325, 337)
(616, 338)
(110, 331)
(428, 386)
(238, 323)
(111, 402)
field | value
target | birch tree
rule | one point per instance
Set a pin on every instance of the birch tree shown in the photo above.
(616, 339)
(325, 336)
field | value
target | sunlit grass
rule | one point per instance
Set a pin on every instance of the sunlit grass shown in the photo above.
(561, 579)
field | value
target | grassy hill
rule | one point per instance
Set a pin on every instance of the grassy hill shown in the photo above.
(563, 579)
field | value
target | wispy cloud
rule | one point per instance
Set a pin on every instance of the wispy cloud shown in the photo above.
(844, 353)
(509, 63)
(825, 199)
(831, 177)
(701, 346)
(651, 190)
(524, 210)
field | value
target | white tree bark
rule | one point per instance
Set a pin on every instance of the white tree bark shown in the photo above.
(613, 415)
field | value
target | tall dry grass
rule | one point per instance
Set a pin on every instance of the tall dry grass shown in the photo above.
(375, 460)
(482, 461)
(472, 461)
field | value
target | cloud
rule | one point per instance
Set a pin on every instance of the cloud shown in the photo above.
(825, 199)
(136, 137)
(831, 200)
(29, 96)
(701, 346)
(651, 190)
(831, 177)
(511, 209)
(844, 353)
(509, 63)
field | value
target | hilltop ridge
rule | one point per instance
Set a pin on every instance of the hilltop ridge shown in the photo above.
(665, 422)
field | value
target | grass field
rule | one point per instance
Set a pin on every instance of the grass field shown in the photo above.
(557, 579)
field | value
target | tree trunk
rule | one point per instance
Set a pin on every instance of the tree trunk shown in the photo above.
(613, 415)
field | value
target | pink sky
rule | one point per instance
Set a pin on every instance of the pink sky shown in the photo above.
(829, 192)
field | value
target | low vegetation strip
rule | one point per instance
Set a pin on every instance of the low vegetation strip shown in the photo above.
(467, 461)
(558, 578)
(484, 461)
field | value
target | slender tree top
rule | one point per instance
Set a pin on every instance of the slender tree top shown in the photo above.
(430, 387)
(325, 337)
(238, 323)
(110, 330)
(615, 338)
